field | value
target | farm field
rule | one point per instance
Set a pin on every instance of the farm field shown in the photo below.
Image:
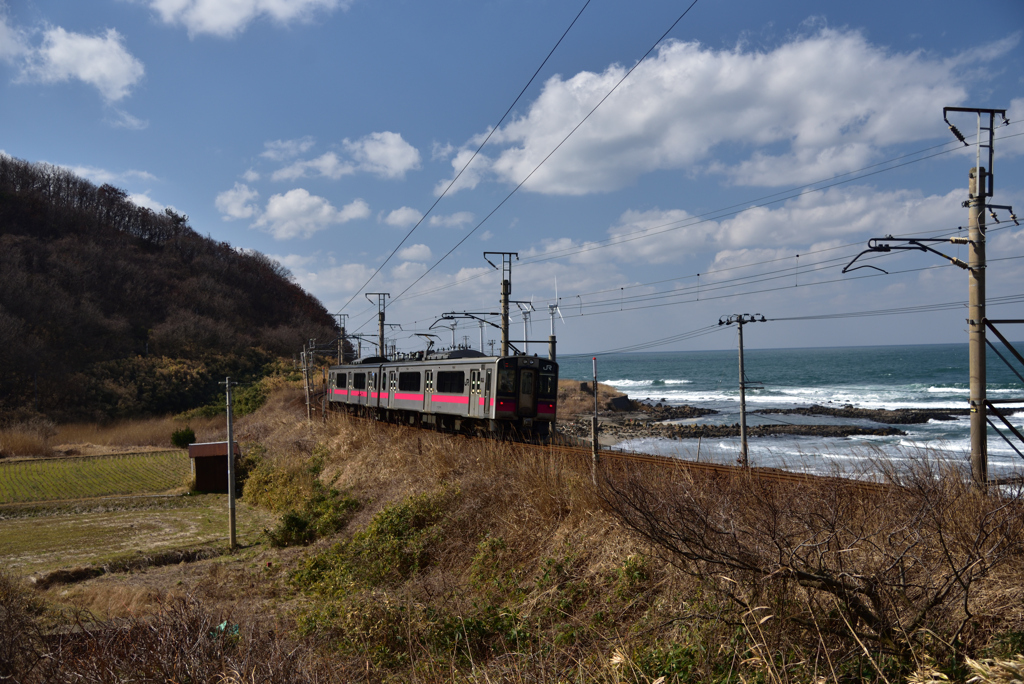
(35, 539)
(87, 477)
(59, 513)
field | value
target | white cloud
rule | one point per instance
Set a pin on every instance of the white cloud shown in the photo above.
(439, 151)
(659, 236)
(143, 199)
(123, 119)
(456, 220)
(403, 217)
(326, 165)
(279, 150)
(250, 176)
(385, 154)
(237, 203)
(100, 176)
(100, 61)
(297, 213)
(815, 106)
(13, 43)
(228, 18)
(415, 253)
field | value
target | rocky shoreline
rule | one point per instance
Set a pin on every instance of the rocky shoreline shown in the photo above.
(622, 418)
(887, 416)
(640, 429)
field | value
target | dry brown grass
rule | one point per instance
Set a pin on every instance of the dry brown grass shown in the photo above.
(143, 432)
(526, 542)
(19, 441)
(572, 401)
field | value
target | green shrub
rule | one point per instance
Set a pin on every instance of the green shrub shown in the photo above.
(323, 515)
(395, 545)
(250, 398)
(183, 437)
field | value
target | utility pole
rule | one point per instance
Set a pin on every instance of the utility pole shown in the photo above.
(593, 431)
(342, 321)
(231, 467)
(481, 337)
(980, 186)
(381, 304)
(740, 320)
(506, 290)
(307, 350)
(490, 343)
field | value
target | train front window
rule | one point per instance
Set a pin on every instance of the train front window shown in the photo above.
(506, 380)
(548, 385)
(527, 383)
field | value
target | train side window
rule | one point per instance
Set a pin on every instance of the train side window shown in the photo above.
(339, 380)
(359, 381)
(507, 380)
(451, 382)
(409, 382)
(487, 382)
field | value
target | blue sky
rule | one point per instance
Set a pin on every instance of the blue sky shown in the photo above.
(320, 131)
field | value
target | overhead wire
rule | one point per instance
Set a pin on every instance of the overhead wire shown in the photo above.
(474, 156)
(711, 215)
(552, 152)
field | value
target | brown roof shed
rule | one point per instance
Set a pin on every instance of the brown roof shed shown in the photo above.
(210, 466)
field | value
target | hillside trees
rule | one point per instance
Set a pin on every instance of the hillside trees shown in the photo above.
(108, 309)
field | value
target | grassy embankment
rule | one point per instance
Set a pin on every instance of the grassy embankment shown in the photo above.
(432, 558)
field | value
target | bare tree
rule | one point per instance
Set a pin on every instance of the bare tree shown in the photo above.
(874, 567)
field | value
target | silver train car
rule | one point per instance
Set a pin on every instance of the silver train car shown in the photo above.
(460, 390)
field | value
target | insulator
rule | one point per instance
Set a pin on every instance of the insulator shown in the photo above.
(958, 262)
(957, 133)
(1013, 217)
(993, 215)
(960, 241)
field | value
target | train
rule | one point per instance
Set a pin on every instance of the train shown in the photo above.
(456, 390)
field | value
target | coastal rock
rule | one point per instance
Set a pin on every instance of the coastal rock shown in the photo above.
(887, 416)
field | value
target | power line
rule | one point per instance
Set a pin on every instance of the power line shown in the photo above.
(706, 217)
(474, 156)
(555, 149)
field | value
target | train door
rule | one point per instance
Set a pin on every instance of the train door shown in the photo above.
(487, 394)
(527, 404)
(474, 393)
(391, 389)
(428, 390)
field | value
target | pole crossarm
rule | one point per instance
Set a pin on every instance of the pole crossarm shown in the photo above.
(909, 244)
(474, 315)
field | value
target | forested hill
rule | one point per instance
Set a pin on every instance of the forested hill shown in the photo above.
(109, 310)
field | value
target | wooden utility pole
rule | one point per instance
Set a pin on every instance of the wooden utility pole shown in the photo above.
(740, 320)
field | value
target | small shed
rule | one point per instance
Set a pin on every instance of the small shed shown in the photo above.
(210, 466)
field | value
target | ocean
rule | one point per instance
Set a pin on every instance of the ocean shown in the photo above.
(889, 377)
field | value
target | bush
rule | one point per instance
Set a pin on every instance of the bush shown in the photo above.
(395, 545)
(183, 437)
(323, 515)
